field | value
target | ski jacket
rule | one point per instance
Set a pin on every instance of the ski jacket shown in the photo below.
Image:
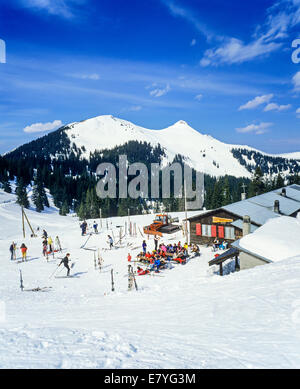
(65, 261)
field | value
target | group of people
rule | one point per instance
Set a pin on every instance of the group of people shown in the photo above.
(162, 253)
(217, 245)
(13, 250)
(84, 227)
(48, 244)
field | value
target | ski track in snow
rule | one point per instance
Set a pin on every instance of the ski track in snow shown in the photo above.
(190, 318)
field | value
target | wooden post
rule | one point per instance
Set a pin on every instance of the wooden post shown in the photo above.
(33, 233)
(21, 281)
(95, 263)
(135, 284)
(129, 278)
(221, 269)
(112, 280)
(23, 224)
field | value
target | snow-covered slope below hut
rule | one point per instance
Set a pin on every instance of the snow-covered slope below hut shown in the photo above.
(184, 317)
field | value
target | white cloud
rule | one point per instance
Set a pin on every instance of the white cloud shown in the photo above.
(257, 129)
(189, 16)
(298, 113)
(256, 102)
(268, 37)
(193, 42)
(296, 81)
(235, 51)
(61, 8)
(135, 108)
(276, 107)
(93, 76)
(158, 92)
(198, 97)
(41, 127)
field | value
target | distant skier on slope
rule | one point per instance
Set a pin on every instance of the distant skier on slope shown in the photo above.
(12, 250)
(57, 244)
(95, 226)
(24, 252)
(50, 243)
(65, 261)
(45, 235)
(110, 242)
(83, 227)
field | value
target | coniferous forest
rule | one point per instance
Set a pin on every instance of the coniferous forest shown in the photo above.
(54, 163)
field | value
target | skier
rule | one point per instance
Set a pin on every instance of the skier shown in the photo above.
(45, 235)
(50, 243)
(95, 226)
(110, 242)
(129, 257)
(83, 227)
(45, 248)
(23, 251)
(57, 244)
(156, 239)
(65, 261)
(12, 250)
(144, 245)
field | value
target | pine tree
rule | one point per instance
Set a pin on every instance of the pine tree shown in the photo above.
(21, 193)
(218, 196)
(37, 199)
(227, 195)
(5, 182)
(279, 182)
(257, 185)
(64, 210)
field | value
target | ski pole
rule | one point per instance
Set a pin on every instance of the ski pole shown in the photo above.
(54, 271)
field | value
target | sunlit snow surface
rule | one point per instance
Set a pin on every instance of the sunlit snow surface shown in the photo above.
(189, 318)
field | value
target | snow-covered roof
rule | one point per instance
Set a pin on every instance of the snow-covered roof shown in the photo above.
(258, 213)
(261, 208)
(276, 240)
(239, 224)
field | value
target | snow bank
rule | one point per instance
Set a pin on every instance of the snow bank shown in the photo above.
(276, 240)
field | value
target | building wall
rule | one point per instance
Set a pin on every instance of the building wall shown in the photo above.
(207, 219)
(248, 261)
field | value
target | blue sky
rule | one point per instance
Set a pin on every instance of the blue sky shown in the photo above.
(224, 67)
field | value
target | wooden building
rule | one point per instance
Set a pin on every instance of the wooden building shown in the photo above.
(226, 223)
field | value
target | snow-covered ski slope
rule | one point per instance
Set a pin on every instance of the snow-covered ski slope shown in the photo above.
(189, 317)
(202, 152)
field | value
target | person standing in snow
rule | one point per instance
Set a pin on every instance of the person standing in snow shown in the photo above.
(45, 235)
(57, 244)
(156, 239)
(110, 242)
(83, 227)
(50, 243)
(95, 226)
(65, 261)
(144, 246)
(24, 252)
(12, 250)
(45, 248)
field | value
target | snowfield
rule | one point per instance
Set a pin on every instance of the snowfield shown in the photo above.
(187, 317)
